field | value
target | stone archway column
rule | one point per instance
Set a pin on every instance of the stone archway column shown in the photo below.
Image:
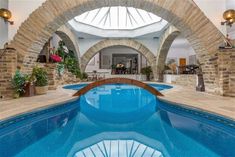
(154, 70)
(166, 41)
(185, 15)
(160, 72)
(8, 66)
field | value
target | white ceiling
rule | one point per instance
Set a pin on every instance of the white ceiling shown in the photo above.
(181, 42)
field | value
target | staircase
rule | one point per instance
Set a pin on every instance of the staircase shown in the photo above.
(118, 148)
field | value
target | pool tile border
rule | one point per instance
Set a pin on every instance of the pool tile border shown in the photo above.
(192, 111)
(34, 113)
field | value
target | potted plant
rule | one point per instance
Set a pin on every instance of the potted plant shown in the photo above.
(18, 82)
(41, 83)
(147, 71)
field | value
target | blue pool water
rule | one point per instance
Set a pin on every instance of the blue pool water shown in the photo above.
(118, 121)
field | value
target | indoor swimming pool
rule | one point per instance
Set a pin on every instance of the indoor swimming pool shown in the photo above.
(117, 120)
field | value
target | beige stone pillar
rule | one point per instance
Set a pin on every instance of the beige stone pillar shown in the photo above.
(52, 76)
(8, 66)
(226, 72)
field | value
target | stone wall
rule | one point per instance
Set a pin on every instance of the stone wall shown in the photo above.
(226, 59)
(233, 42)
(183, 80)
(52, 73)
(204, 37)
(55, 79)
(197, 28)
(187, 80)
(8, 65)
(67, 78)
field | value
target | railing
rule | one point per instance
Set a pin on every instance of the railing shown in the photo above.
(118, 80)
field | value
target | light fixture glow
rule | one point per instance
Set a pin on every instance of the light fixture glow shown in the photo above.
(229, 17)
(6, 15)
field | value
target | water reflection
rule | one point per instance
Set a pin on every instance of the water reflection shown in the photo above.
(67, 131)
(118, 98)
(119, 103)
(27, 131)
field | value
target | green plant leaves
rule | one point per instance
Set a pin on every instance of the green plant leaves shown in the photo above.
(18, 82)
(41, 76)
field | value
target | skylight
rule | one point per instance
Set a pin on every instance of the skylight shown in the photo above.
(114, 18)
(118, 148)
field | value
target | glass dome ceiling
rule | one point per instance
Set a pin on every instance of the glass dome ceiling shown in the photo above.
(118, 18)
(118, 148)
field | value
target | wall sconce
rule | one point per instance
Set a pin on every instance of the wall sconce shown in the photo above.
(6, 15)
(229, 17)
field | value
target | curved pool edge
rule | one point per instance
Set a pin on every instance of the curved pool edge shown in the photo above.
(166, 105)
(38, 109)
(59, 97)
(212, 116)
(69, 98)
(177, 89)
(186, 104)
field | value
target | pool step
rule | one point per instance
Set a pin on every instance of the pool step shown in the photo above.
(118, 148)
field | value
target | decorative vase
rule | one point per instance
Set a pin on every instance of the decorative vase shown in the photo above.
(41, 90)
(29, 89)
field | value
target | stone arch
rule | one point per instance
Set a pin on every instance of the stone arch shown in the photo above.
(130, 43)
(183, 14)
(166, 41)
(69, 39)
(118, 80)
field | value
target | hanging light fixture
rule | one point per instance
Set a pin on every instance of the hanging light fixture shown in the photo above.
(6, 15)
(229, 17)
